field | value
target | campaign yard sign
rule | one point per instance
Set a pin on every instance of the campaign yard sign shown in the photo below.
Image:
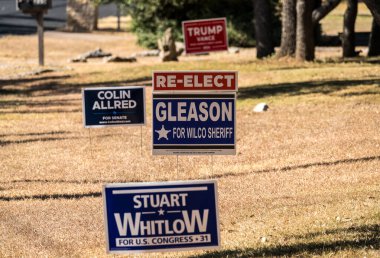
(203, 36)
(166, 216)
(194, 124)
(165, 81)
(113, 106)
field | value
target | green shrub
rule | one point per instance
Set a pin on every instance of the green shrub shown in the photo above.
(152, 17)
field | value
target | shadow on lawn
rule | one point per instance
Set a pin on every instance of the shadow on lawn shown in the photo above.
(288, 168)
(13, 82)
(48, 139)
(357, 60)
(304, 88)
(40, 107)
(62, 181)
(35, 134)
(48, 87)
(303, 166)
(50, 196)
(45, 111)
(53, 136)
(365, 236)
(32, 104)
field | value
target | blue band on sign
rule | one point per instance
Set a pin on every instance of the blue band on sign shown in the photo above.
(166, 216)
(194, 123)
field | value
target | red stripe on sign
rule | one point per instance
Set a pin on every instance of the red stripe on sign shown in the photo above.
(195, 81)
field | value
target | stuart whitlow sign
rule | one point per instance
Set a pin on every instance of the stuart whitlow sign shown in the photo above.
(149, 217)
(113, 106)
(202, 36)
(185, 124)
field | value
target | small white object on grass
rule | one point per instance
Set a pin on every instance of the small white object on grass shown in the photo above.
(233, 50)
(263, 239)
(261, 107)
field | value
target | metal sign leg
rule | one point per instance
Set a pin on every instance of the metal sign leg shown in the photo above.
(40, 31)
(177, 169)
(141, 141)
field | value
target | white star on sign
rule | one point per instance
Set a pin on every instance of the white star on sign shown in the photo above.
(163, 133)
(161, 212)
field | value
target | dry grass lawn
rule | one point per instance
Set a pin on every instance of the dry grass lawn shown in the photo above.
(305, 182)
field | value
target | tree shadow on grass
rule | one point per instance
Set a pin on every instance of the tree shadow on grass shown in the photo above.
(365, 236)
(64, 181)
(303, 88)
(13, 82)
(356, 60)
(40, 106)
(35, 134)
(51, 196)
(302, 166)
(4, 143)
(57, 87)
(43, 111)
(33, 104)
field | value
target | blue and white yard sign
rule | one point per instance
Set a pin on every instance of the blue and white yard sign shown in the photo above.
(165, 216)
(113, 106)
(199, 124)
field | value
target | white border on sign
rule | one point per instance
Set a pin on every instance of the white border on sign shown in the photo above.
(111, 88)
(195, 152)
(169, 183)
(236, 87)
(202, 20)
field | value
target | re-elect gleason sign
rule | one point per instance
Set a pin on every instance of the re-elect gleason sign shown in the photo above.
(194, 112)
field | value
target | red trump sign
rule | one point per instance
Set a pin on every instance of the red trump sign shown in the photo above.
(202, 36)
(195, 81)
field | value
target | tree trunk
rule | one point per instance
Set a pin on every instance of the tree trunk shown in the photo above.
(374, 40)
(305, 41)
(324, 9)
(263, 28)
(317, 25)
(348, 37)
(80, 15)
(288, 30)
(96, 17)
(374, 7)
(118, 11)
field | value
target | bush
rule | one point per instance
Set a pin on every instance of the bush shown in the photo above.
(152, 17)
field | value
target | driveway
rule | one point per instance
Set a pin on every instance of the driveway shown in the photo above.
(15, 22)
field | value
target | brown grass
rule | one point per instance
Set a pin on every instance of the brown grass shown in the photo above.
(333, 23)
(306, 176)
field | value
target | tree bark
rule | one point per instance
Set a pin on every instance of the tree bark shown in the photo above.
(324, 9)
(374, 7)
(288, 30)
(118, 14)
(374, 40)
(263, 28)
(80, 15)
(348, 37)
(317, 25)
(96, 17)
(305, 41)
